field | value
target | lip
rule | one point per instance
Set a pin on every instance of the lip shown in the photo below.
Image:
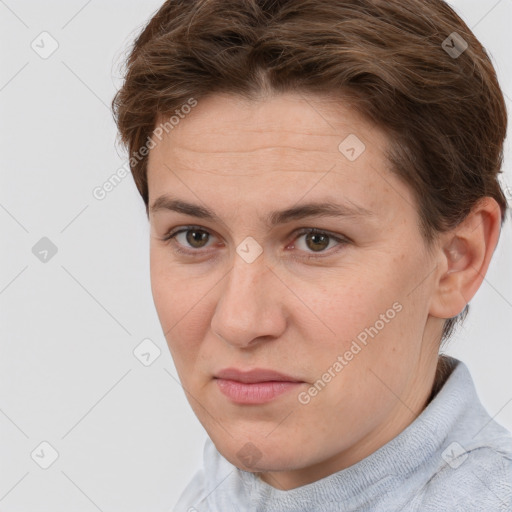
(256, 386)
(254, 375)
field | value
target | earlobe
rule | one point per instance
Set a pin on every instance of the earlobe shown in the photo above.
(465, 254)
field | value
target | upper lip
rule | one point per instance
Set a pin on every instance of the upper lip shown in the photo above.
(254, 375)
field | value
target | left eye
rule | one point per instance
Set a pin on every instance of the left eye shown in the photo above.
(317, 241)
(193, 239)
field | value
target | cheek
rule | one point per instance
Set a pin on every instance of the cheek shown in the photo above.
(165, 291)
(348, 303)
(178, 305)
(366, 318)
(173, 292)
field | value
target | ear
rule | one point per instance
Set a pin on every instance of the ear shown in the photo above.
(463, 258)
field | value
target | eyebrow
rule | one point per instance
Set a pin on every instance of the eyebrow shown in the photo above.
(274, 218)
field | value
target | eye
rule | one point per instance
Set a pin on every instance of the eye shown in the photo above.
(191, 240)
(191, 237)
(317, 241)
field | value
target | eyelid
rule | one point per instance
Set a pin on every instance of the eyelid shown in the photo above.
(180, 229)
(340, 239)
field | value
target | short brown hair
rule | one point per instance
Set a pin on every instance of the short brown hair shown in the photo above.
(445, 114)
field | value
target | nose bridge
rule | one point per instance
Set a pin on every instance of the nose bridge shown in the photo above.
(247, 308)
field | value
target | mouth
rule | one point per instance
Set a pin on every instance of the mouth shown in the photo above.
(255, 386)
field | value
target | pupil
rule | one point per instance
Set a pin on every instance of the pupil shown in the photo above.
(314, 238)
(196, 236)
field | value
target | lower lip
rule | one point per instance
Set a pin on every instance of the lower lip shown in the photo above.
(256, 392)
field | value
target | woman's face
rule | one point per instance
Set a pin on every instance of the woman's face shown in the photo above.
(343, 312)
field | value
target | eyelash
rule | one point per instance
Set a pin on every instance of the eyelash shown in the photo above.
(302, 231)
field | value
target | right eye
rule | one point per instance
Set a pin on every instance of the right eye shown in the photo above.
(188, 240)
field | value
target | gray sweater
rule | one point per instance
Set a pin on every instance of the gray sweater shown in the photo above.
(452, 457)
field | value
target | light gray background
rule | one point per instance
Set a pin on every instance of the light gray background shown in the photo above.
(125, 434)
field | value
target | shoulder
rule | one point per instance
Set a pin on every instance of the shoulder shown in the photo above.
(472, 480)
(471, 467)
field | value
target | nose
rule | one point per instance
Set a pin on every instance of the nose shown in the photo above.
(251, 306)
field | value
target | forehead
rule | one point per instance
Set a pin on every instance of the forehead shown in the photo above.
(221, 122)
(284, 146)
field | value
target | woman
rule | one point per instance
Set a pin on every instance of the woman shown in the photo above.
(320, 179)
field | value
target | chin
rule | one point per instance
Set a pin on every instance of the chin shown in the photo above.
(257, 454)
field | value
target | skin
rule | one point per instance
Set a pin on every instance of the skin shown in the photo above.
(243, 159)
